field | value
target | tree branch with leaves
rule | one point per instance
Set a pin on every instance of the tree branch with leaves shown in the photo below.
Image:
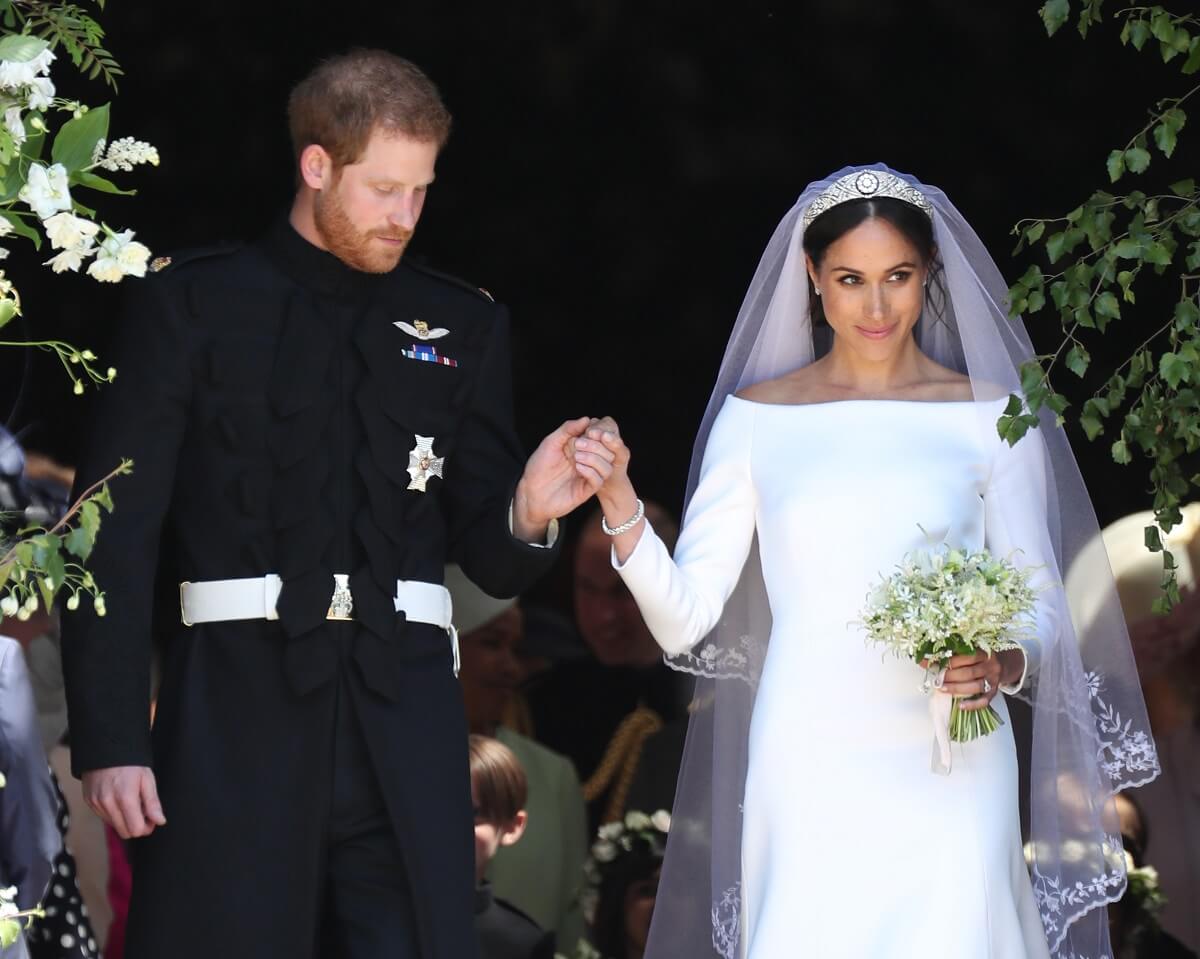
(1094, 261)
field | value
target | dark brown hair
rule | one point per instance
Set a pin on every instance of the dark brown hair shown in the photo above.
(345, 99)
(497, 779)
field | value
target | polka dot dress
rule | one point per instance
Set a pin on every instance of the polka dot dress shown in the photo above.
(66, 931)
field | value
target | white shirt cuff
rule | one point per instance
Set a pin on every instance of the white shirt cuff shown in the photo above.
(551, 531)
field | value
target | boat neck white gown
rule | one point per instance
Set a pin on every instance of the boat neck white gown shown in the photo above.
(851, 846)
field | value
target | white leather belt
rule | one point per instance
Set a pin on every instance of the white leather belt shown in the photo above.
(222, 600)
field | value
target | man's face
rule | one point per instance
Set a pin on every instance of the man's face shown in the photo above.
(366, 211)
(605, 611)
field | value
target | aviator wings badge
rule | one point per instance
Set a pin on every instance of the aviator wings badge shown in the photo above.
(422, 464)
(420, 329)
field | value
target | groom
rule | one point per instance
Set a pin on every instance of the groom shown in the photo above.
(318, 425)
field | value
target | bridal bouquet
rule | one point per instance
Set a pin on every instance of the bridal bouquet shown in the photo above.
(948, 602)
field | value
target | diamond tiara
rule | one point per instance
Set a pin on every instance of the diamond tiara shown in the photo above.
(866, 184)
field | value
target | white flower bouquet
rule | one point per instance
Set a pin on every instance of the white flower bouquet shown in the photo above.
(948, 602)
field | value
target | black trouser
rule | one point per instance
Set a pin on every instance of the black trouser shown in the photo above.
(368, 912)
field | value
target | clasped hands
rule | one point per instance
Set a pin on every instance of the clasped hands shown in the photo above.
(582, 458)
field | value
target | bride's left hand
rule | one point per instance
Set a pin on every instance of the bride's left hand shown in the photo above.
(977, 677)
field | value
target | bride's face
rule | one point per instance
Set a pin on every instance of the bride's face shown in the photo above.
(872, 284)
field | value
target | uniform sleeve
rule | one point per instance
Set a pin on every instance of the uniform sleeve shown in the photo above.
(141, 416)
(481, 482)
(29, 837)
(1015, 527)
(681, 600)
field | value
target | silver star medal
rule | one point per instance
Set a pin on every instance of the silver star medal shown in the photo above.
(422, 464)
(420, 329)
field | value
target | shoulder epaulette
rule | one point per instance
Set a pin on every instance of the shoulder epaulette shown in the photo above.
(453, 280)
(175, 260)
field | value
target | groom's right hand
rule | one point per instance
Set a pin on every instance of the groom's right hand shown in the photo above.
(125, 797)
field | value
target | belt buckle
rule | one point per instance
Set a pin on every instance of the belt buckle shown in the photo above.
(341, 607)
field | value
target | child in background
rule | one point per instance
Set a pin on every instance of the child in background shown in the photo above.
(498, 793)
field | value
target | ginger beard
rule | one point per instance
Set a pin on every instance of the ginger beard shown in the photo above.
(354, 247)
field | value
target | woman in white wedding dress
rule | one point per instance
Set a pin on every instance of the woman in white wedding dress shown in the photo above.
(822, 469)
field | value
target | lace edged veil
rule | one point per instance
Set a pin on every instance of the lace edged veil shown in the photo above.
(1090, 734)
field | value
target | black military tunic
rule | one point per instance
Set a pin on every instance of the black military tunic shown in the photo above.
(270, 397)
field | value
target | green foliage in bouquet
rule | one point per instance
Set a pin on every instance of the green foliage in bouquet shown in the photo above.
(1095, 260)
(951, 602)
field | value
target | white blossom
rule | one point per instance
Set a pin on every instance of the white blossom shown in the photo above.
(119, 256)
(16, 74)
(611, 830)
(637, 821)
(604, 851)
(41, 93)
(68, 232)
(661, 820)
(125, 154)
(6, 226)
(12, 123)
(46, 190)
(9, 605)
(69, 259)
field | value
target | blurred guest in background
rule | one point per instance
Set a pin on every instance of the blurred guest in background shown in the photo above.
(623, 870)
(1168, 658)
(498, 793)
(1134, 919)
(600, 710)
(29, 837)
(543, 874)
(35, 491)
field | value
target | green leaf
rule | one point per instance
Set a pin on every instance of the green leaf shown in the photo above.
(1161, 26)
(93, 182)
(1164, 139)
(1184, 188)
(1158, 254)
(79, 543)
(1054, 14)
(21, 228)
(1056, 246)
(8, 309)
(21, 47)
(1091, 426)
(1174, 369)
(1192, 63)
(1116, 165)
(76, 140)
(1137, 159)
(1058, 293)
(1078, 359)
(1107, 305)
(1034, 233)
(1139, 33)
(1193, 260)
(1153, 540)
(1031, 376)
(1128, 249)
(1187, 315)
(1036, 300)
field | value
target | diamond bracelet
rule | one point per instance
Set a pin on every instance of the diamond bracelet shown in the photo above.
(627, 525)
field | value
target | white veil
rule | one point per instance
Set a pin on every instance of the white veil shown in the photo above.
(1090, 735)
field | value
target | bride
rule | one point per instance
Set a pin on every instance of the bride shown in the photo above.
(854, 420)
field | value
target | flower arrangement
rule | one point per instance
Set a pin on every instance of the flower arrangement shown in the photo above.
(616, 839)
(950, 602)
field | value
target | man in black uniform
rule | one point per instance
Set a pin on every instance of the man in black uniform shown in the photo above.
(317, 426)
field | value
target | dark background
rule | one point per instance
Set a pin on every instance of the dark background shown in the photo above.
(615, 170)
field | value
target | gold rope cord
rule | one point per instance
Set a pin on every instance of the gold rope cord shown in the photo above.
(620, 761)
